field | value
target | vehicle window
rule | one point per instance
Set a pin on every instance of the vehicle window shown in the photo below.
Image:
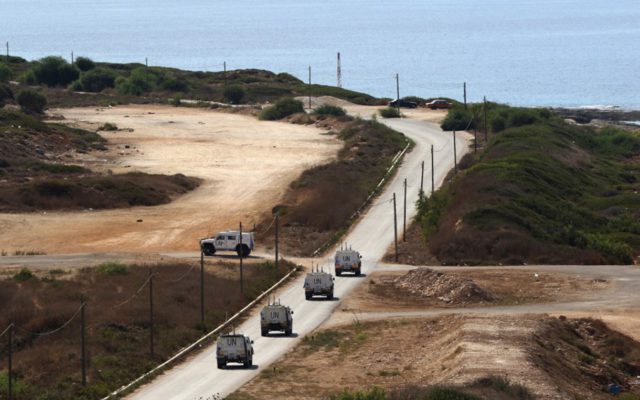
(231, 238)
(221, 237)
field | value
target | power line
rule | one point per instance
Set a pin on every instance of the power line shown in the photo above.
(135, 294)
(54, 330)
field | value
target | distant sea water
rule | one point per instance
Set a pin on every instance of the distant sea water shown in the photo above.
(568, 53)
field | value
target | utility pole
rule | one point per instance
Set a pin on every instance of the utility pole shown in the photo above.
(83, 352)
(395, 226)
(202, 290)
(398, 93)
(151, 327)
(486, 137)
(224, 66)
(339, 72)
(455, 156)
(10, 361)
(433, 185)
(475, 134)
(146, 70)
(241, 254)
(277, 229)
(309, 87)
(404, 215)
(72, 61)
(465, 95)
(7, 52)
(422, 180)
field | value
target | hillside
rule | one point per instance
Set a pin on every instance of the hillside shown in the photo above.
(542, 191)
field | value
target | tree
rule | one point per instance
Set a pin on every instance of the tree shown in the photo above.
(85, 63)
(31, 101)
(97, 80)
(234, 94)
(54, 71)
(5, 72)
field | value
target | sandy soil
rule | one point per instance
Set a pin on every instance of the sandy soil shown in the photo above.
(449, 350)
(508, 287)
(246, 166)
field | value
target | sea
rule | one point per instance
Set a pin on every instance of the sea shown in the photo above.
(568, 53)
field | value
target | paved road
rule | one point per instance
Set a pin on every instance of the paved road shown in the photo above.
(198, 377)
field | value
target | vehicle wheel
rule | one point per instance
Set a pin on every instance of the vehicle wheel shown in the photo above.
(244, 251)
(247, 363)
(358, 272)
(264, 332)
(338, 273)
(288, 331)
(221, 364)
(307, 296)
(330, 295)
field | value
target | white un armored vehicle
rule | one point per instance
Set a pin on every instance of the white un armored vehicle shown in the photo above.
(236, 348)
(318, 283)
(276, 317)
(228, 241)
(348, 260)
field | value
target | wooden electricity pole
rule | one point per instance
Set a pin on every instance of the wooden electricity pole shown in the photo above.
(455, 156)
(202, 290)
(465, 95)
(433, 184)
(10, 376)
(224, 73)
(241, 256)
(486, 133)
(398, 93)
(422, 180)
(395, 226)
(309, 87)
(475, 134)
(404, 213)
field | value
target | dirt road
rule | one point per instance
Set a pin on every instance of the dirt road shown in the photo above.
(246, 166)
(372, 235)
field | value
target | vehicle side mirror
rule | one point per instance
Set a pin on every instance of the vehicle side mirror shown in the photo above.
(360, 256)
(252, 342)
(333, 278)
(291, 312)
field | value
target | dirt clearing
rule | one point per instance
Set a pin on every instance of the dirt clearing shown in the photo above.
(246, 166)
(552, 358)
(423, 287)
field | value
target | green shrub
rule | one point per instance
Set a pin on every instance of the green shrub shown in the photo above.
(458, 119)
(327, 109)
(498, 124)
(175, 85)
(5, 94)
(522, 117)
(141, 80)
(108, 126)
(85, 63)
(52, 71)
(234, 94)
(96, 80)
(390, 112)
(23, 275)
(282, 108)
(113, 268)
(31, 101)
(5, 73)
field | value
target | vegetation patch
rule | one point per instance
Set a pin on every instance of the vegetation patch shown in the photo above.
(117, 314)
(282, 108)
(321, 203)
(543, 191)
(390, 112)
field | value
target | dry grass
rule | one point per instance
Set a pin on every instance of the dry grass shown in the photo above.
(118, 346)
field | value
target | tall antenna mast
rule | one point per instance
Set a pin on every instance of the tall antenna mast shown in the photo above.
(339, 72)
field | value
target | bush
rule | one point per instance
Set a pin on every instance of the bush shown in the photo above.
(5, 94)
(498, 124)
(457, 119)
(85, 63)
(175, 85)
(282, 108)
(52, 71)
(5, 73)
(113, 268)
(374, 394)
(141, 80)
(330, 110)
(234, 94)
(96, 80)
(31, 101)
(23, 275)
(108, 126)
(522, 117)
(390, 112)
